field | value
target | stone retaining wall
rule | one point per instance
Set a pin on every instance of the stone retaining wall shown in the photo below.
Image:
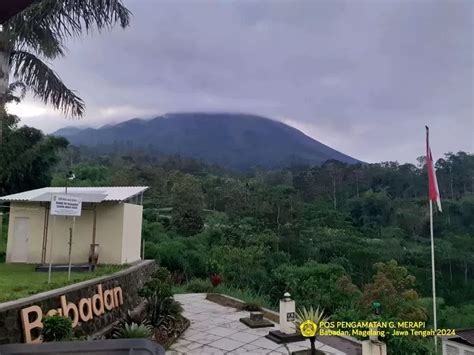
(130, 280)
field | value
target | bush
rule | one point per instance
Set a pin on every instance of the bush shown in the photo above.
(137, 317)
(56, 328)
(159, 296)
(199, 286)
(252, 307)
(134, 330)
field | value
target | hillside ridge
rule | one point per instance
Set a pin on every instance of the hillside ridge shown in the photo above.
(233, 140)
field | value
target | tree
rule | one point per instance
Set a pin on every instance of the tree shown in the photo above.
(27, 158)
(188, 202)
(392, 286)
(39, 33)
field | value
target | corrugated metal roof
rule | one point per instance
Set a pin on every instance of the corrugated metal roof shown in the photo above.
(113, 193)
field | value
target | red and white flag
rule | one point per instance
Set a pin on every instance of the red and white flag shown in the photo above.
(433, 182)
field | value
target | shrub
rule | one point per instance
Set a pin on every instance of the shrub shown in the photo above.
(160, 303)
(216, 279)
(199, 286)
(56, 328)
(252, 307)
(134, 330)
(138, 317)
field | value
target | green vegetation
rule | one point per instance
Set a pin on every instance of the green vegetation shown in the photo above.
(160, 304)
(199, 286)
(57, 328)
(20, 280)
(134, 330)
(27, 157)
(36, 36)
(337, 236)
(252, 307)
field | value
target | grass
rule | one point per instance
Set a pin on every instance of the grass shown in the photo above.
(21, 280)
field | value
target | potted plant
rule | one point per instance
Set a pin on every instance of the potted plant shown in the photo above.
(308, 322)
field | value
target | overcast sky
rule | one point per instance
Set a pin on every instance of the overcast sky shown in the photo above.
(363, 77)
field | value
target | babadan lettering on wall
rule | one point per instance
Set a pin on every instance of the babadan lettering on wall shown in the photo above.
(85, 310)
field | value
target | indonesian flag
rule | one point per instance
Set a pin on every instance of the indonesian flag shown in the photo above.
(433, 183)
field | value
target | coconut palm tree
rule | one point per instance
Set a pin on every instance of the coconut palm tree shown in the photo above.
(38, 34)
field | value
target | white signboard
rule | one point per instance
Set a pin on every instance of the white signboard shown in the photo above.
(66, 205)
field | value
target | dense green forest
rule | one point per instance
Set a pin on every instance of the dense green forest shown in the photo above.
(339, 236)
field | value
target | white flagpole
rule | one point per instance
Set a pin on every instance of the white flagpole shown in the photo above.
(433, 277)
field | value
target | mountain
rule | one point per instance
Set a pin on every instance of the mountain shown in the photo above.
(231, 140)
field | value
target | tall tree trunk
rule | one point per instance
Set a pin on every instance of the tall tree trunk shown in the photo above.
(451, 183)
(450, 271)
(4, 72)
(278, 218)
(465, 272)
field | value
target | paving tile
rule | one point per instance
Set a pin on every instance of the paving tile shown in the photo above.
(190, 332)
(179, 350)
(265, 343)
(203, 338)
(200, 317)
(206, 350)
(193, 345)
(243, 337)
(202, 326)
(240, 351)
(259, 331)
(221, 331)
(216, 330)
(226, 344)
(236, 325)
(282, 349)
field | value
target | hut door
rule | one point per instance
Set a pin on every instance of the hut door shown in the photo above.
(19, 252)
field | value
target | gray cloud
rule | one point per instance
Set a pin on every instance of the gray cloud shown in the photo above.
(361, 76)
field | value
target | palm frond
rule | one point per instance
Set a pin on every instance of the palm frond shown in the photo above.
(16, 92)
(45, 83)
(35, 36)
(68, 18)
(315, 315)
(44, 26)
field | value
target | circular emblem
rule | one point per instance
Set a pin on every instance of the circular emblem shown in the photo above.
(308, 328)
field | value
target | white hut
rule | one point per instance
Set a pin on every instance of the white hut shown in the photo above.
(109, 225)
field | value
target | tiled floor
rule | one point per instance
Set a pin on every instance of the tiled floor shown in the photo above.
(216, 330)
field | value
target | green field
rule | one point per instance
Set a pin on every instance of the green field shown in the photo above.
(20, 280)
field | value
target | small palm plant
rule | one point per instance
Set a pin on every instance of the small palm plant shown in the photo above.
(315, 315)
(134, 330)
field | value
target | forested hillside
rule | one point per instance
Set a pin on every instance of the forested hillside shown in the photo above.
(232, 140)
(337, 235)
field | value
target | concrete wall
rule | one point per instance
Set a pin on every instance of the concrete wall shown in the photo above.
(110, 232)
(118, 233)
(132, 232)
(130, 280)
